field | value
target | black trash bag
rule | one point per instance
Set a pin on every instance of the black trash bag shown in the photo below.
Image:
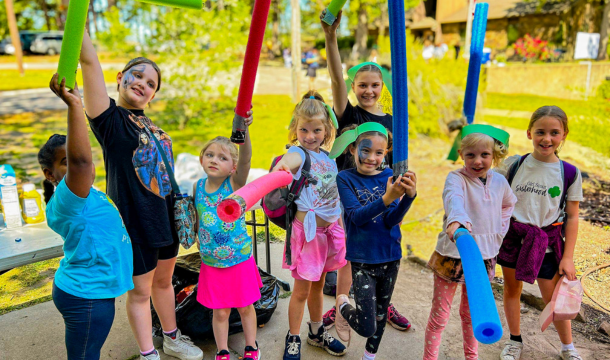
(195, 320)
(330, 283)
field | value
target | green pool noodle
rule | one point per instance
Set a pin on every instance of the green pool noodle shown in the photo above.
(185, 4)
(72, 41)
(330, 15)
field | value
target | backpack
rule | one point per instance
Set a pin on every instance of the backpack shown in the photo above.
(280, 204)
(569, 173)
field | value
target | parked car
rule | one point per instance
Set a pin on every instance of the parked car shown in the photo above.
(47, 43)
(6, 47)
(26, 37)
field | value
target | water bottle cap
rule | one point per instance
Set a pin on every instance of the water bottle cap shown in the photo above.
(28, 187)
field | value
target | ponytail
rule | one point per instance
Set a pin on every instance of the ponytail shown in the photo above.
(49, 189)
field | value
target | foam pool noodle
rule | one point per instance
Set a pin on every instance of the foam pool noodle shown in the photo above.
(400, 92)
(185, 4)
(236, 204)
(248, 74)
(483, 311)
(476, 56)
(72, 42)
(330, 15)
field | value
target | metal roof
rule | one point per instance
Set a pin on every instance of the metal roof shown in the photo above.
(500, 9)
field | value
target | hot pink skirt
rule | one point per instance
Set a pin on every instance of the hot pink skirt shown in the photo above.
(233, 287)
(326, 252)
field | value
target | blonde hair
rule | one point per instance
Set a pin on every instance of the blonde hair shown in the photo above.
(499, 150)
(312, 109)
(225, 143)
(554, 112)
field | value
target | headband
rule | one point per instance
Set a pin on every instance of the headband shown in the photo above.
(329, 110)
(350, 136)
(385, 75)
(495, 133)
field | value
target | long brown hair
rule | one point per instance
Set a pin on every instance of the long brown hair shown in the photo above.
(554, 112)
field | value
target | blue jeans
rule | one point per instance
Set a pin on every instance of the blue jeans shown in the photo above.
(88, 322)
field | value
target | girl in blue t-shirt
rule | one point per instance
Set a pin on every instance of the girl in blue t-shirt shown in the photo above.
(373, 212)
(228, 277)
(98, 260)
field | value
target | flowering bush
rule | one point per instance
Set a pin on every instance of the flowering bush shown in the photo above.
(532, 49)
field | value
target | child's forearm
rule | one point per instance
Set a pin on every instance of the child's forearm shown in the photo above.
(78, 148)
(333, 58)
(88, 55)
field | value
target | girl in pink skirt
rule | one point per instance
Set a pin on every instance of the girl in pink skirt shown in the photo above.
(229, 277)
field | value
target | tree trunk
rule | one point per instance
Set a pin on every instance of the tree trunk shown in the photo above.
(94, 18)
(62, 12)
(111, 3)
(362, 32)
(275, 32)
(603, 36)
(45, 9)
(383, 18)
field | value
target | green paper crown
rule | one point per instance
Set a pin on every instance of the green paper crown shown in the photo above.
(350, 136)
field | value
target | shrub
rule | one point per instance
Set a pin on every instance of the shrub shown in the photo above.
(532, 49)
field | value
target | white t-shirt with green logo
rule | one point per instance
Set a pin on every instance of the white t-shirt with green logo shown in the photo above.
(538, 186)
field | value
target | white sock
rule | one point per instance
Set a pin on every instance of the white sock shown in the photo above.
(291, 334)
(569, 346)
(368, 356)
(342, 305)
(315, 326)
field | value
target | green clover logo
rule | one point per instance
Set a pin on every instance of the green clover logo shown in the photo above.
(554, 191)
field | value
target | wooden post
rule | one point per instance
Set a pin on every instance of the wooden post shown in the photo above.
(296, 50)
(471, 5)
(12, 26)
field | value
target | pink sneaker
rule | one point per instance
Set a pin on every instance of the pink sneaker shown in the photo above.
(396, 320)
(223, 355)
(251, 353)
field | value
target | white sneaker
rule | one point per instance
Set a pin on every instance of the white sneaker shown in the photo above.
(182, 347)
(512, 350)
(570, 355)
(154, 356)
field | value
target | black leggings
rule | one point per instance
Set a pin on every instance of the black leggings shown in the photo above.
(373, 288)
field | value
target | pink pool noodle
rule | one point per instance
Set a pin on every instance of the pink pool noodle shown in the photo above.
(248, 75)
(236, 204)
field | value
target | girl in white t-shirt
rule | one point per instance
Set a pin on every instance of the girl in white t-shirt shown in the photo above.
(534, 248)
(317, 240)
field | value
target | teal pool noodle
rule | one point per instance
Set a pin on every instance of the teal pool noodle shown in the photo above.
(185, 4)
(72, 41)
(483, 311)
(332, 11)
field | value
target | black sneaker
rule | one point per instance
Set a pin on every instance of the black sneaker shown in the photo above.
(293, 347)
(326, 341)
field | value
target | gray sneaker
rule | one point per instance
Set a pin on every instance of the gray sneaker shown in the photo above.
(570, 355)
(512, 350)
(154, 356)
(182, 347)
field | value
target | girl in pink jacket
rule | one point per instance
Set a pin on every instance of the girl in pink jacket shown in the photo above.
(481, 201)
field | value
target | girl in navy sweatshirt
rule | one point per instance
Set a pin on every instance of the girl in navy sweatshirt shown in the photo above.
(374, 207)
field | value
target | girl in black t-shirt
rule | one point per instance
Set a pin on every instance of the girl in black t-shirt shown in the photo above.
(138, 183)
(367, 84)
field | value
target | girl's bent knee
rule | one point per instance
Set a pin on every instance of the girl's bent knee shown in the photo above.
(221, 315)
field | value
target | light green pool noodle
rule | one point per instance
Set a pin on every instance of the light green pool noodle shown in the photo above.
(72, 41)
(335, 6)
(185, 4)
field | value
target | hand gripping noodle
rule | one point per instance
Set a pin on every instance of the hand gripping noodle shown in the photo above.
(474, 71)
(248, 74)
(331, 12)
(350, 136)
(72, 41)
(185, 4)
(400, 92)
(236, 204)
(483, 312)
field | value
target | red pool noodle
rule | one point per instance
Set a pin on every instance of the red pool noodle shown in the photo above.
(248, 75)
(236, 204)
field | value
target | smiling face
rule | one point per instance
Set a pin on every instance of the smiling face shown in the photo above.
(311, 133)
(137, 86)
(369, 152)
(547, 134)
(217, 161)
(367, 86)
(477, 159)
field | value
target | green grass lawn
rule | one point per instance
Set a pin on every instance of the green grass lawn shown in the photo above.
(588, 121)
(12, 80)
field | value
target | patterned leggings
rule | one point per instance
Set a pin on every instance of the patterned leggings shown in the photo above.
(439, 316)
(373, 288)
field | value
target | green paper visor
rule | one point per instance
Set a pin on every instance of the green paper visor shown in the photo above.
(330, 111)
(498, 134)
(348, 137)
(385, 75)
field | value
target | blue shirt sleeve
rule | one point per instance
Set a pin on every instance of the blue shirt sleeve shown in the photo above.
(354, 211)
(66, 202)
(397, 211)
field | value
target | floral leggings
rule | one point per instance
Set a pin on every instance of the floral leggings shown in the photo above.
(439, 316)
(373, 288)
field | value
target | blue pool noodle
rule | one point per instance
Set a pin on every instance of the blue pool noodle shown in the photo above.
(479, 25)
(483, 312)
(400, 93)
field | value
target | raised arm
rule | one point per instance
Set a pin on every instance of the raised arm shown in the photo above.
(244, 160)
(95, 94)
(79, 176)
(335, 69)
